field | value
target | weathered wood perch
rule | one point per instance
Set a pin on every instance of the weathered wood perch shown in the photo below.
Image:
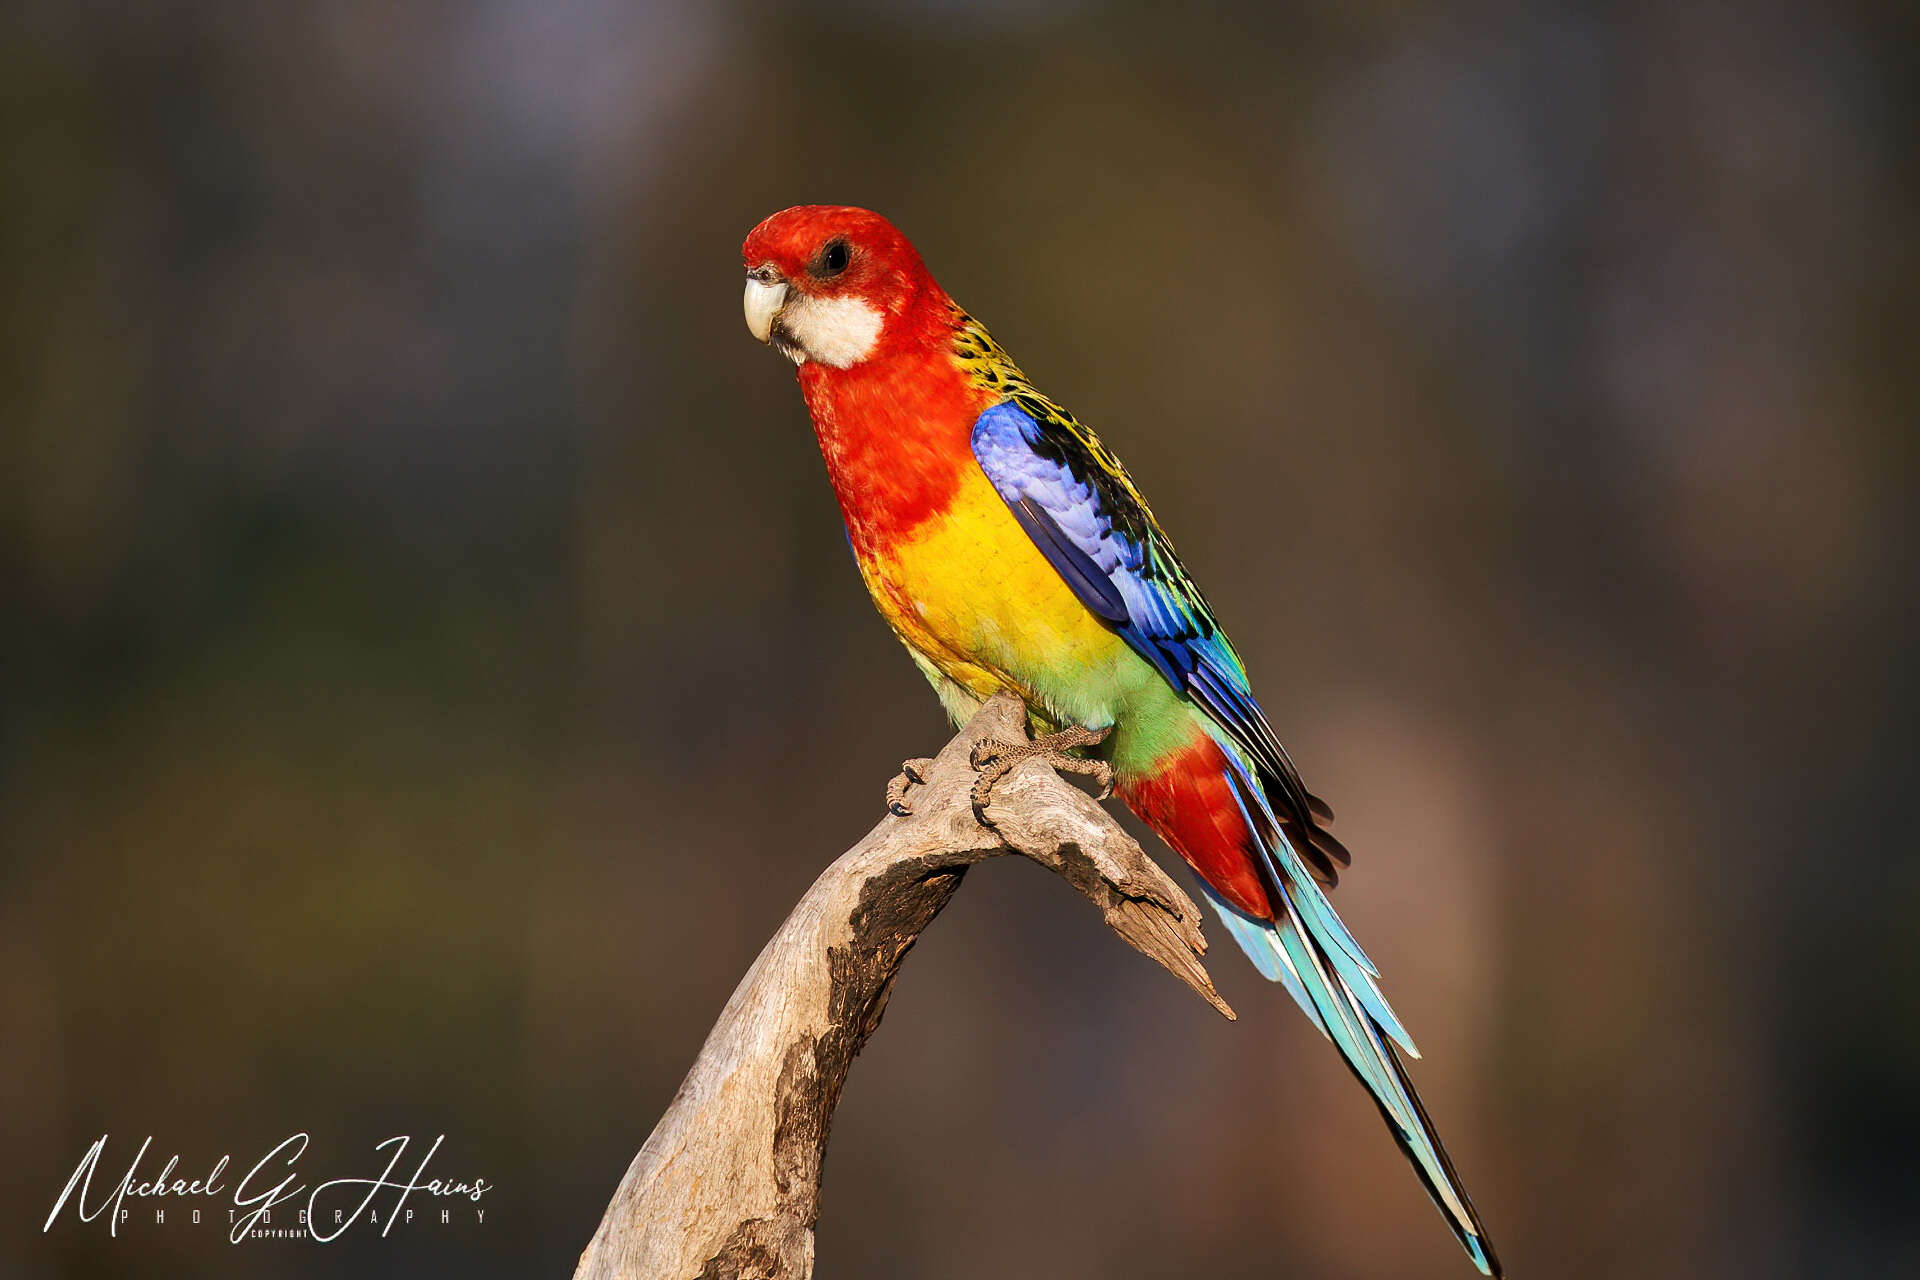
(728, 1185)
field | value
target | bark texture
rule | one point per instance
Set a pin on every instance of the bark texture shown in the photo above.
(728, 1185)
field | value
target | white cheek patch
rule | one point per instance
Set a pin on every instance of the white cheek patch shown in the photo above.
(840, 332)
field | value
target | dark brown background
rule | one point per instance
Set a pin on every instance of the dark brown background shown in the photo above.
(431, 663)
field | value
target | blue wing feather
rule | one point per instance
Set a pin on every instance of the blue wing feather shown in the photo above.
(1095, 589)
(1105, 545)
(1083, 513)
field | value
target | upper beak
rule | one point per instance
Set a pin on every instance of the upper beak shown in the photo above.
(763, 302)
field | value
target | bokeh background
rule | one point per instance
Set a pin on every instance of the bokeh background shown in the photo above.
(431, 664)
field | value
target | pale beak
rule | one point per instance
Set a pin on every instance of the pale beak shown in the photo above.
(763, 302)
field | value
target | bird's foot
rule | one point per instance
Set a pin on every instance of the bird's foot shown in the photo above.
(912, 774)
(995, 760)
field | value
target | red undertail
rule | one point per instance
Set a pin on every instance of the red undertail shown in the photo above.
(1190, 803)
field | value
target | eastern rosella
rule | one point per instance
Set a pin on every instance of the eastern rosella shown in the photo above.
(1009, 550)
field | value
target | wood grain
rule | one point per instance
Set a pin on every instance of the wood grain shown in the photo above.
(728, 1184)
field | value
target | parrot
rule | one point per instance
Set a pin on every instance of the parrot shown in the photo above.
(1009, 551)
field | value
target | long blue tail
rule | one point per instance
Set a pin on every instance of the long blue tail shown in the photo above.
(1309, 951)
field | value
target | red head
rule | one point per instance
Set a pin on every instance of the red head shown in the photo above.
(836, 286)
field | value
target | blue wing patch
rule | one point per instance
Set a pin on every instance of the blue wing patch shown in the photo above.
(1080, 509)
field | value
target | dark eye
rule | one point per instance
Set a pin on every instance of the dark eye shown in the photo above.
(832, 259)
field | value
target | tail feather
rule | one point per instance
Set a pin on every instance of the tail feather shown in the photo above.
(1308, 913)
(1307, 949)
(1260, 939)
(1466, 1225)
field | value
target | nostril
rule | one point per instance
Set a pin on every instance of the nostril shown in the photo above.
(764, 274)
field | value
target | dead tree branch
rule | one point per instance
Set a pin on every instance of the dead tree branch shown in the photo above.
(728, 1185)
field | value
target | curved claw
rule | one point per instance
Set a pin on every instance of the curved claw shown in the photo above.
(912, 773)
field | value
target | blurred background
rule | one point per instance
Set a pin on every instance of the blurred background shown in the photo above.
(432, 667)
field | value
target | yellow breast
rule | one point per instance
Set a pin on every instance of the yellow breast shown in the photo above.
(974, 597)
